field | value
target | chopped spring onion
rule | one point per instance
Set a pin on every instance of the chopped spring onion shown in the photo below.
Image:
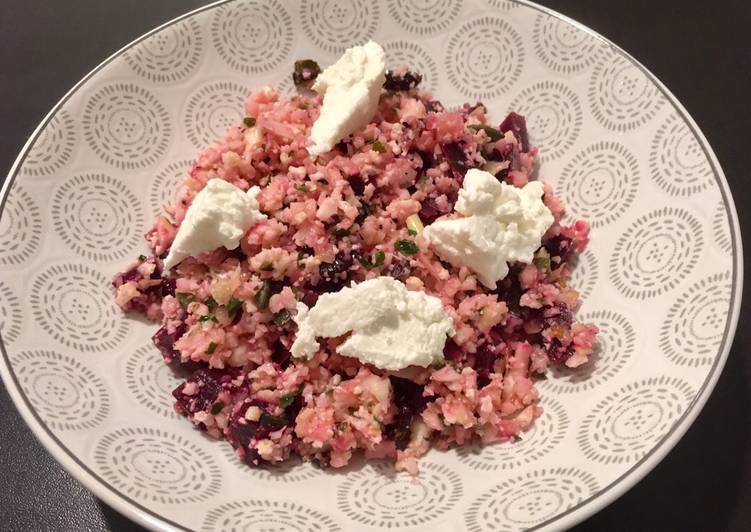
(414, 224)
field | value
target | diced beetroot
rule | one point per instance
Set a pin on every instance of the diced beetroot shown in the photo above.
(409, 402)
(517, 124)
(165, 342)
(485, 358)
(452, 352)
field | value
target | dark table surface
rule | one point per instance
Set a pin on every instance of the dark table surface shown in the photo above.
(699, 49)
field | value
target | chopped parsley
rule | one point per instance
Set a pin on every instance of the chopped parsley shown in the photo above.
(216, 408)
(211, 303)
(282, 317)
(142, 257)
(492, 133)
(202, 319)
(233, 306)
(380, 256)
(286, 400)
(412, 232)
(406, 247)
(341, 233)
(263, 295)
(249, 121)
(341, 426)
(267, 420)
(378, 146)
(542, 263)
(211, 348)
(267, 266)
(184, 299)
(301, 188)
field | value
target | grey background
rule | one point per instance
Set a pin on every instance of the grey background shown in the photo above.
(700, 50)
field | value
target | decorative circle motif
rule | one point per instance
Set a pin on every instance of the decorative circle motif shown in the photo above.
(166, 185)
(624, 426)
(72, 303)
(126, 126)
(65, 393)
(530, 499)
(696, 322)
(415, 57)
(98, 217)
(484, 57)
(554, 116)
(253, 37)
(425, 17)
(616, 345)
(584, 273)
(502, 5)
(621, 96)
(600, 182)
(20, 227)
(334, 25)
(547, 431)
(656, 252)
(387, 501)
(150, 381)
(677, 162)
(169, 55)
(268, 515)
(154, 465)
(563, 47)
(721, 229)
(54, 147)
(10, 314)
(212, 109)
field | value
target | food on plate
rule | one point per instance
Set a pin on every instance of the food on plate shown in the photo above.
(357, 268)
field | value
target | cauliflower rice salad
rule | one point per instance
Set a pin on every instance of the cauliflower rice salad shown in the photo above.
(358, 269)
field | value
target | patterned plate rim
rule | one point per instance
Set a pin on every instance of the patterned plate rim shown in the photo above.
(564, 520)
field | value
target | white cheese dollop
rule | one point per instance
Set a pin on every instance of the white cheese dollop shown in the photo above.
(391, 327)
(501, 224)
(219, 216)
(350, 88)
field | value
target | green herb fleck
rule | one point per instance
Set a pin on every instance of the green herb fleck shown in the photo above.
(378, 146)
(323, 181)
(341, 233)
(184, 299)
(249, 121)
(216, 408)
(286, 400)
(301, 188)
(211, 348)
(263, 295)
(542, 263)
(211, 303)
(142, 257)
(380, 423)
(267, 420)
(202, 319)
(443, 420)
(412, 232)
(233, 306)
(406, 247)
(267, 266)
(282, 317)
(492, 133)
(341, 426)
(380, 256)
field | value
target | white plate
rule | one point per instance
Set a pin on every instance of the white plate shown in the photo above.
(662, 277)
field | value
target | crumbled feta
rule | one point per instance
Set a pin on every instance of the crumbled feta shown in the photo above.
(219, 216)
(501, 224)
(390, 327)
(351, 88)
